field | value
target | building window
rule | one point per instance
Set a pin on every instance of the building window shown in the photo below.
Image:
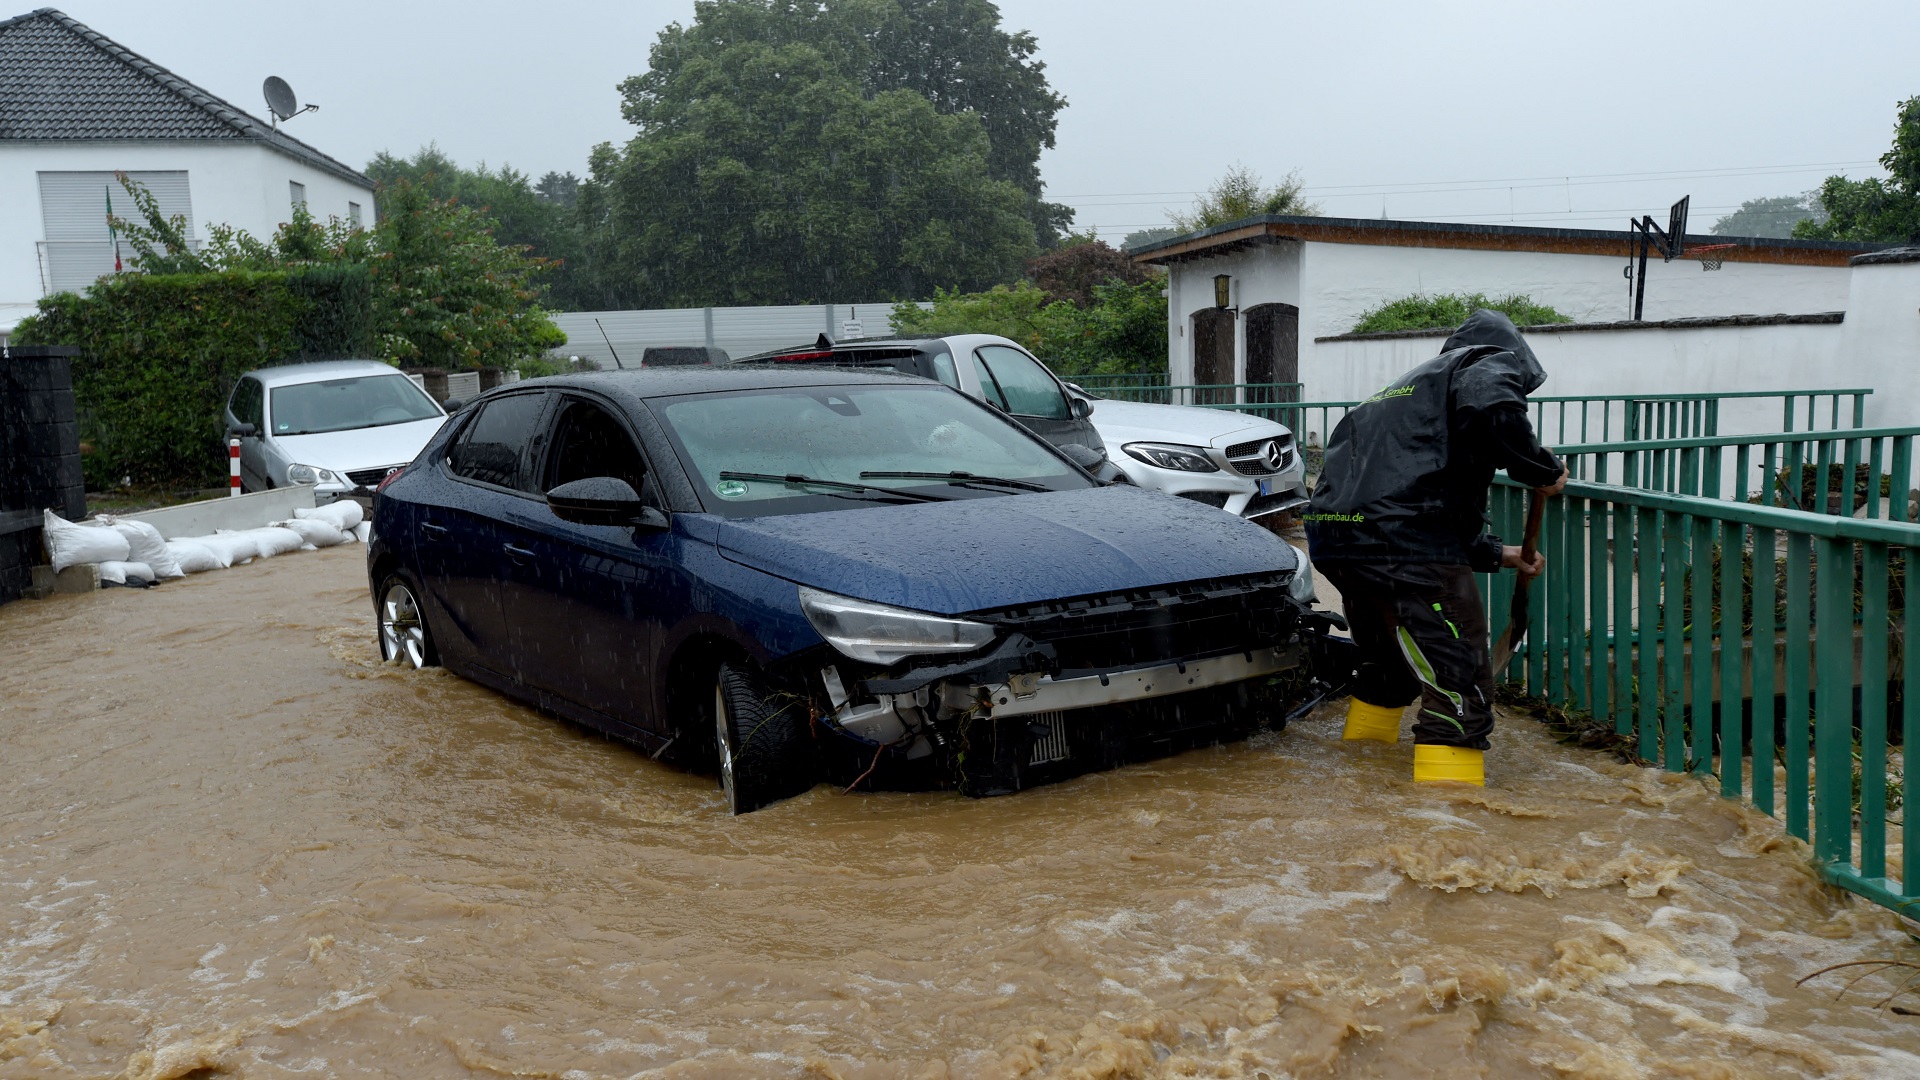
(353, 214)
(299, 192)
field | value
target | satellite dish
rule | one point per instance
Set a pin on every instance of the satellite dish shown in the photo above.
(280, 99)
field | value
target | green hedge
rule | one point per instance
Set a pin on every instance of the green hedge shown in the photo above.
(1448, 310)
(161, 352)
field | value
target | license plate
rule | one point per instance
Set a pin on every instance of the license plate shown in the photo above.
(1266, 486)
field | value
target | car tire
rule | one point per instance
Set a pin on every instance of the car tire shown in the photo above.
(764, 742)
(402, 625)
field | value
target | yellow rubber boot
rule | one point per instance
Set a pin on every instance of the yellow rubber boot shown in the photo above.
(1368, 721)
(1452, 763)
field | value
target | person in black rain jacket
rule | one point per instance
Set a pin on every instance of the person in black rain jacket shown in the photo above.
(1398, 524)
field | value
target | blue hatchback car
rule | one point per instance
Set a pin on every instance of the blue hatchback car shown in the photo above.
(795, 575)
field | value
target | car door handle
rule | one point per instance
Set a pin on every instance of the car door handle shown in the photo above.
(517, 554)
(432, 530)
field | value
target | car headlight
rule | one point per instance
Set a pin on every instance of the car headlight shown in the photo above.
(1171, 456)
(311, 474)
(1301, 587)
(880, 634)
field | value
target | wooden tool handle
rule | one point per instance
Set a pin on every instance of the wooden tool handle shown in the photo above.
(1536, 509)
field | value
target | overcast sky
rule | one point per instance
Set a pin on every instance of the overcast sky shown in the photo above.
(1535, 113)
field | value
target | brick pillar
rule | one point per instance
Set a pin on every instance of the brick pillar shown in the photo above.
(39, 456)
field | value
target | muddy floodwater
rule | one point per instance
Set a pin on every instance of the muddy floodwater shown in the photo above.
(233, 844)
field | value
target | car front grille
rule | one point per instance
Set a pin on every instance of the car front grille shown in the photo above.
(1154, 626)
(1250, 458)
(370, 477)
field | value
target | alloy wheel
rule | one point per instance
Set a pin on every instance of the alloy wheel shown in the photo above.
(402, 633)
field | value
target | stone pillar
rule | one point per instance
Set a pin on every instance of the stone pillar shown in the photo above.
(39, 456)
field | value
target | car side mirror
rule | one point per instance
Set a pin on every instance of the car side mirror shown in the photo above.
(1080, 407)
(453, 405)
(243, 431)
(1084, 456)
(603, 500)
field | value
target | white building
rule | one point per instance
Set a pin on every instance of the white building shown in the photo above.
(1293, 285)
(75, 107)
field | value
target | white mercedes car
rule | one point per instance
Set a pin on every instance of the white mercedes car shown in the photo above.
(1243, 464)
(339, 425)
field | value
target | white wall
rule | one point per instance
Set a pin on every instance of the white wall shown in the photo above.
(235, 183)
(1267, 274)
(1334, 283)
(1651, 360)
(1881, 345)
(1344, 280)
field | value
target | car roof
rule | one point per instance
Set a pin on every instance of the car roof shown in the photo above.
(956, 343)
(318, 371)
(639, 384)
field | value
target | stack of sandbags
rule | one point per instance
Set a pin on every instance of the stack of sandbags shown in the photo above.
(130, 552)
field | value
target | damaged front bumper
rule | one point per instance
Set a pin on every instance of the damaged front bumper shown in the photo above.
(1105, 667)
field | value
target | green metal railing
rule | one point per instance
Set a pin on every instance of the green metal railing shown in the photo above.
(1771, 647)
(1578, 419)
(1868, 471)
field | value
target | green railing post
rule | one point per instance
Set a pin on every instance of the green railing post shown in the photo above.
(1766, 600)
(1623, 620)
(1732, 659)
(1799, 662)
(1873, 710)
(1833, 704)
(1673, 617)
(1909, 732)
(1700, 631)
(1646, 630)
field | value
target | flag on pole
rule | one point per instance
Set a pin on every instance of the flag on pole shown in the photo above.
(112, 234)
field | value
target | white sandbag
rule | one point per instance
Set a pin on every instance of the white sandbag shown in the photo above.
(146, 545)
(194, 557)
(233, 547)
(118, 572)
(362, 531)
(344, 513)
(317, 532)
(69, 544)
(273, 540)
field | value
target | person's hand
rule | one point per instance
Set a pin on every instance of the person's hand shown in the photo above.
(1556, 487)
(1510, 556)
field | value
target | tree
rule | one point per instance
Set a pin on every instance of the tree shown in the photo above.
(444, 292)
(1240, 194)
(1775, 216)
(539, 218)
(1072, 271)
(765, 172)
(1140, 238)
(1123, 330)
(1874, 210)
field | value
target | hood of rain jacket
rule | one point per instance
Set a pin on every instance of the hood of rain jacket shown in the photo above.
(1407, 470)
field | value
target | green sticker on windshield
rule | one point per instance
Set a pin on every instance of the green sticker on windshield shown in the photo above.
(731, 489)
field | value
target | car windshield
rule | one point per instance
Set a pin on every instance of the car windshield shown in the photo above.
(747, 451)
(359, 401)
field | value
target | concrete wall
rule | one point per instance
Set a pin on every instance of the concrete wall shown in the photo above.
(1652, 358)
(1881, 344)
(236, 183)
(739, 330)
(1333, 284)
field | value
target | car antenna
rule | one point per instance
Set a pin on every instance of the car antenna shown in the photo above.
(609, 341)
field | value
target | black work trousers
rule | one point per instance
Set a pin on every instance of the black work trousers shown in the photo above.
(1421, 631)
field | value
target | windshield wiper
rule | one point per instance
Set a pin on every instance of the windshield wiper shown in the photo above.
(961, 479)
(797, 480)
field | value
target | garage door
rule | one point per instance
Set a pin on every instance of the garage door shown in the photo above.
(73, 207)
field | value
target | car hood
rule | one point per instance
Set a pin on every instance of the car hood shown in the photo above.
(360, 448)
(979, 554)
(1122, 422)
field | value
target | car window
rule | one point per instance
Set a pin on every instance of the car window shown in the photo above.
(989, 389)
(943, 368)
(733, 443)
(590, 441)
(493, 447)
(247, 403)
(357, 401)
(1024, 386)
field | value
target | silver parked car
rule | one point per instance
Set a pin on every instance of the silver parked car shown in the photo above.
(339, 425)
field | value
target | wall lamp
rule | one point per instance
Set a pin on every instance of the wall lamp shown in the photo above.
(1221, 296)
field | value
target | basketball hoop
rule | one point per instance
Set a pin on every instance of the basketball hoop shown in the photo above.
(1710, 255)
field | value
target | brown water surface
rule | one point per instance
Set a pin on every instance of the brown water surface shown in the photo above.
(233, 844)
